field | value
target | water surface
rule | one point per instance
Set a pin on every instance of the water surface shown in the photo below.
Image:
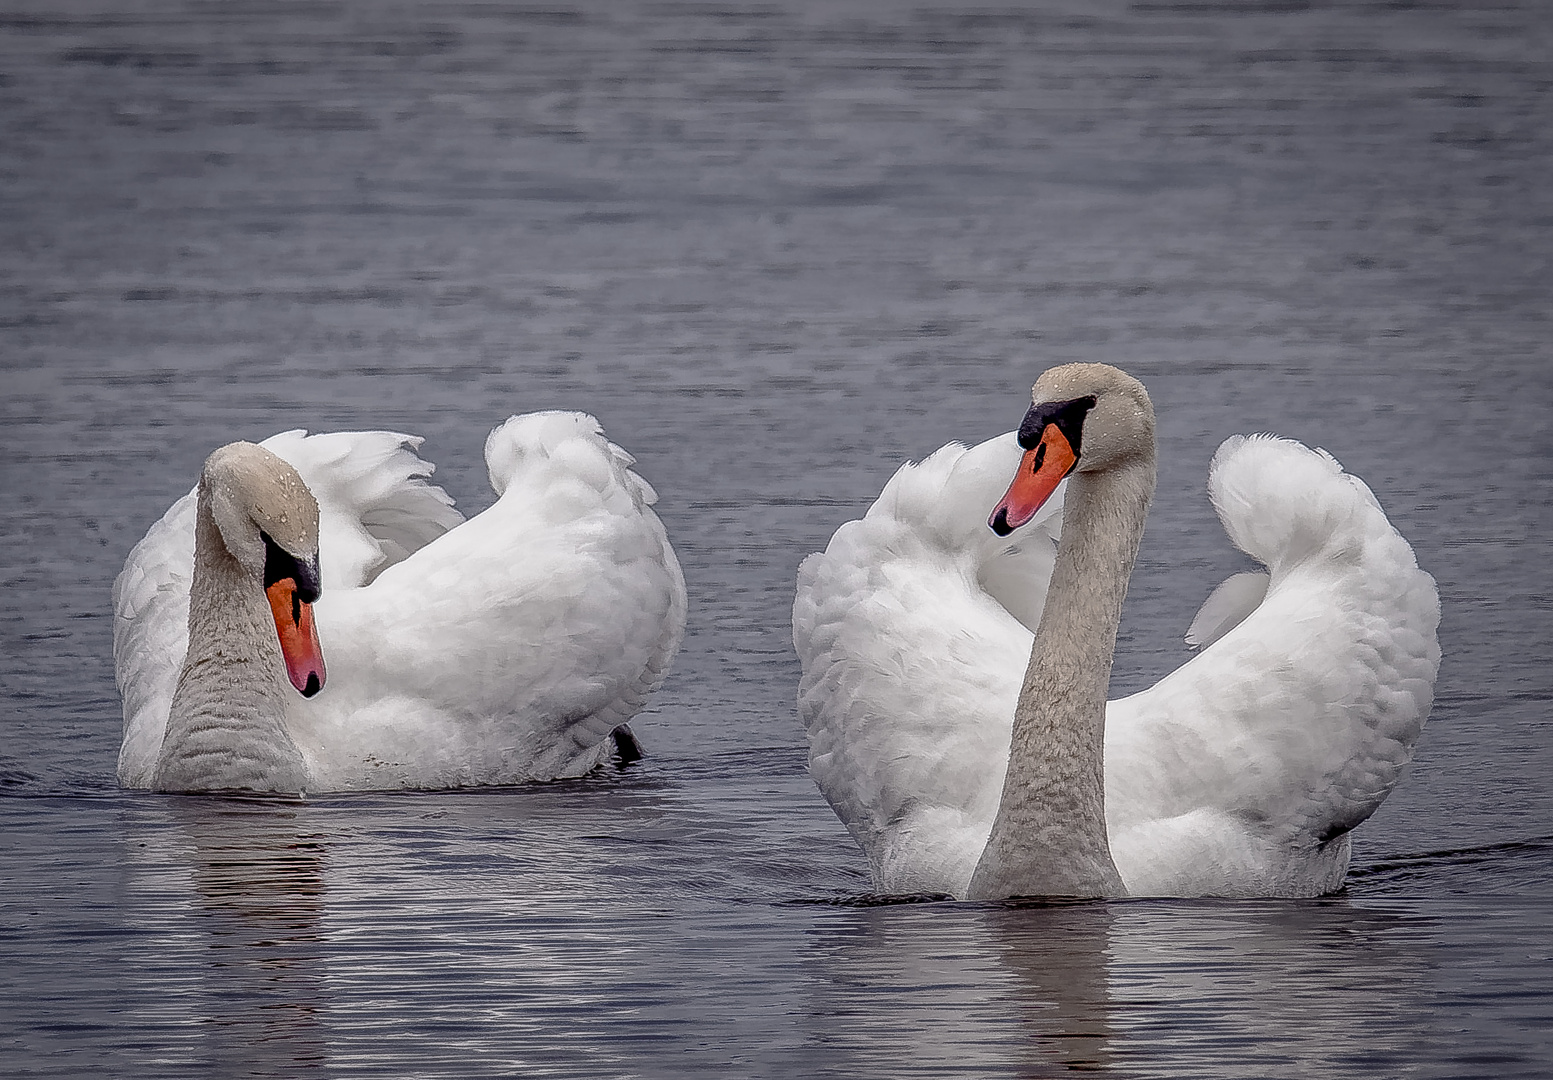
(777, 250)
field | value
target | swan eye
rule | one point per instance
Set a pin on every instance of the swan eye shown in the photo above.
(1067, 415)
(280, 564)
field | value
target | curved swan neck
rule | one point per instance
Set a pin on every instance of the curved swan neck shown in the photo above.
(1049, 836)
(226, 728)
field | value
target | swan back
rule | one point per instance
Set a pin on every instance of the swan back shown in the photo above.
(912, 629)
(521, 639)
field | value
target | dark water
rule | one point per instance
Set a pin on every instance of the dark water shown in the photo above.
(777, 249)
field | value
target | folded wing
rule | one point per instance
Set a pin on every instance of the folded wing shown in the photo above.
(512, 647)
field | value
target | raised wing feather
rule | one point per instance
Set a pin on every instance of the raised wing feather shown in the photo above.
(1226, 608)
(512, 647)
(376, 505)
(912, 669)
(1243, 770)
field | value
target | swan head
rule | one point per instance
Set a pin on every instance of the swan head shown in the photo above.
(268, 521)
(1085, 418)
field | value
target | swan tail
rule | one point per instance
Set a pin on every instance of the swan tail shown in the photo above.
(376, 503)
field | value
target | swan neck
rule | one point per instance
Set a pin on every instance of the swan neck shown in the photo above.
(1049, 836)
(226, 727)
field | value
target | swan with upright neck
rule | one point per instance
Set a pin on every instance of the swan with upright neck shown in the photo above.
(509, 647)
(955, 674)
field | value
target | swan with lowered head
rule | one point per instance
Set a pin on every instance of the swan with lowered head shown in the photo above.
(315, 616)
(955, 701)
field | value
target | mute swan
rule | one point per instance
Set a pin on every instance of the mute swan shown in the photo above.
(1239, 774)
(441, 652)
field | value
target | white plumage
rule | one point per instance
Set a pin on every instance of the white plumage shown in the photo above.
(1240, 773)
(504, 648)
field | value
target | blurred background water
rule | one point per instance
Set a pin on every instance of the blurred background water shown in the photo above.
(777, 249)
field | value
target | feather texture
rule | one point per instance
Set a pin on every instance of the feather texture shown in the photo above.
(1240, 773)
(912, 659)
(503, 648)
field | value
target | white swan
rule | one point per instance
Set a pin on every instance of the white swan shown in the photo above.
(504, 648)
(1239, 774)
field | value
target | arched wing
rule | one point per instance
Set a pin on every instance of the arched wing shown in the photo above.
(1263, 751)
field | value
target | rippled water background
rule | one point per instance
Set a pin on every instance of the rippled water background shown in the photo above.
(777, 249)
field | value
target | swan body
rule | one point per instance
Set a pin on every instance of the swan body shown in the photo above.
(507, 647)
(1239, 774)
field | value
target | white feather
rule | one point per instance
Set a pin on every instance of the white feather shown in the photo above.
(503, 648)
(1238, 774)
(1226, 607)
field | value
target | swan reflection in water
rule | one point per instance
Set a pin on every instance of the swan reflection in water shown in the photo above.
(498, 931)
(255, 872)
(1156, 988)
(394, 934)
(1342, 988)
(956, 990)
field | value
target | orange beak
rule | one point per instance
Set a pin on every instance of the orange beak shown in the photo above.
(298, 636)
(1040, 471)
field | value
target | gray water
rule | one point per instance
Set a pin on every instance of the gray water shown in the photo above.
(777, 249)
